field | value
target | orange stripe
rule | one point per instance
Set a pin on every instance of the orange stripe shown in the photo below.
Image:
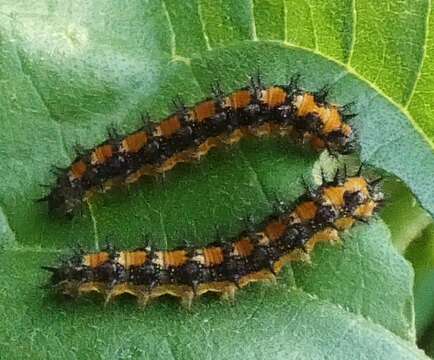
(307, 105)
(275, 230)
(366, 210)
(168, 127)
(239, 99)
(335, 195)
(213, 256)
(331, 119)
(132, 258)
(243, 247)
(101, 154)
(203, 111)
(133, 143)
(356, 184)
(306, 211)
(96, 259)
(175, 258)
(77, 170)
(344, 223)
(346, 129)
(273, 96)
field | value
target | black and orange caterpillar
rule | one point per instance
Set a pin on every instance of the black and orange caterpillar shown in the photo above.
(190, 133)
(223, 267)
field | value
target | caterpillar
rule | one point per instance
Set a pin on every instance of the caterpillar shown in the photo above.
(222, 267)
(189, 133)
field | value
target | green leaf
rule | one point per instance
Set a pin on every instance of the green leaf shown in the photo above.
(70, 70)
(428, 342)
(404, 216)
(421, 255)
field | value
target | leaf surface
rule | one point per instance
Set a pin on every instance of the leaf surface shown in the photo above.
(70, 70)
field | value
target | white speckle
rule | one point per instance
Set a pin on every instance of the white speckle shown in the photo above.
(61, 38)
(77, 35)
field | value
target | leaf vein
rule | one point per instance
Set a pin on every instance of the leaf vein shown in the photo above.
(202, 22)
(171, 29)
(315, 36)
(253, 21)
(353, 31)
(285, 20)
(422, 59)
(94, 224)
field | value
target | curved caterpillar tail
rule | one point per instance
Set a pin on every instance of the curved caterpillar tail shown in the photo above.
(189, 133)
(224, 266)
